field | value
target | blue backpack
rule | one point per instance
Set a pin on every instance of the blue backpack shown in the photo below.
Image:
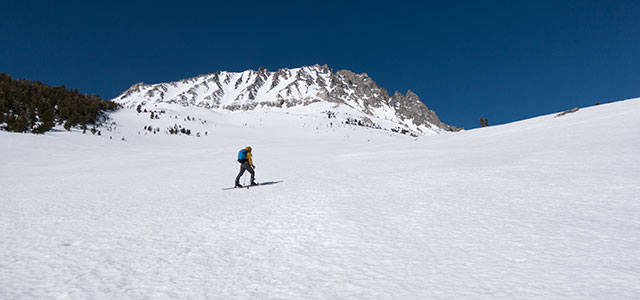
(242, 156)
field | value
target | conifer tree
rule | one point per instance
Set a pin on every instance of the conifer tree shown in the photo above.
(484, 122)
(67, 125)
(21, 123)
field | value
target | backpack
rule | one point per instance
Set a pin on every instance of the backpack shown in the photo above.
(242, 156)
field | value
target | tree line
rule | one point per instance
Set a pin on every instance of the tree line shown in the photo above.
(35, 107)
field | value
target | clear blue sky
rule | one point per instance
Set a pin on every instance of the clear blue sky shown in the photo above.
(502, 60)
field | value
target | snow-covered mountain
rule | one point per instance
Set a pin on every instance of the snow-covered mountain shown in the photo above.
(355, 94)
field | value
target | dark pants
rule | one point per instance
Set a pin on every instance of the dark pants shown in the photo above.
(245, 167)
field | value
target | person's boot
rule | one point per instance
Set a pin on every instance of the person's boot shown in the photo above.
(238, 185)
(253, 182)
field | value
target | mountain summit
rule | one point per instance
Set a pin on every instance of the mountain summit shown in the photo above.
(288, 88)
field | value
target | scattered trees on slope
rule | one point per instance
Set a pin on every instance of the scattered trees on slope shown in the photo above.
(27, 106)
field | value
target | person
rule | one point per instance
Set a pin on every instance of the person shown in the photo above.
(246, 164)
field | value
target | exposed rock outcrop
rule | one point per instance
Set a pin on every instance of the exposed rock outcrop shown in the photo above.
(285, 88)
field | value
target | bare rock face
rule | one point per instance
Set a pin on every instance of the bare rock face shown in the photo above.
(285, 88)
(410, 107)
(364, 89)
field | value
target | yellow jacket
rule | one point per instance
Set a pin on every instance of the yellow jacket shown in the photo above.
(249, 155)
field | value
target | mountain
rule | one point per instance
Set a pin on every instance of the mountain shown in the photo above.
(355, 94)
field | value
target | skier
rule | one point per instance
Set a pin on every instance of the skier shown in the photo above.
(246, 164)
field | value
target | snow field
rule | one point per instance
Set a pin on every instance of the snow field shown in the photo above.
(544, 208)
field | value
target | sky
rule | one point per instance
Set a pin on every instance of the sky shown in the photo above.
(500, 60)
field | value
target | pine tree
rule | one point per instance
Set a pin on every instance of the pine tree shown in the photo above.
(21, 124)
(67, 125)
(47, 121)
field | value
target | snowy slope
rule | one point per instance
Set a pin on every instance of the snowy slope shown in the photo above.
(292, 88)
(545, 208)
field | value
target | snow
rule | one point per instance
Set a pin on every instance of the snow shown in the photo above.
(545, 208)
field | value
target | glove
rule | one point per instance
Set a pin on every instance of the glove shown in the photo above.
(253, 167)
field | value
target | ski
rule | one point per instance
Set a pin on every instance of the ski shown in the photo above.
(252, 185)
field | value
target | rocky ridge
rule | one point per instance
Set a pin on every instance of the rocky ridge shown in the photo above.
(285, 88)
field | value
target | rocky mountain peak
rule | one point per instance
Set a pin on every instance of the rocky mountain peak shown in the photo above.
(284, 88)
